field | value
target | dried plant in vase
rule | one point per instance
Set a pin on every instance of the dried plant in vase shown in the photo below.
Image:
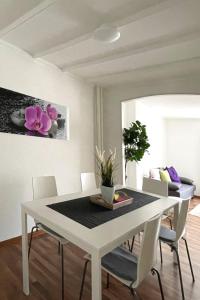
(106, 167)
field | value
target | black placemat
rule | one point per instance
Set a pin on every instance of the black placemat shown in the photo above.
(90, 215)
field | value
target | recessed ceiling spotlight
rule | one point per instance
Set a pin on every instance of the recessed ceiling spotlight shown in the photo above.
(107, 33)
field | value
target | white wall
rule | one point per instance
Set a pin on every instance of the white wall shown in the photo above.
(155, 127)
(114, 95)
(183, 147)
(22, 157)
(129, 116)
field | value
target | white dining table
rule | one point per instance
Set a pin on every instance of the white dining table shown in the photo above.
(97, 241)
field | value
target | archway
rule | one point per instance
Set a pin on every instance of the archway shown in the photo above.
(173, 123)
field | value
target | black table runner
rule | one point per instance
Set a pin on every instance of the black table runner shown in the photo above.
(91, 215)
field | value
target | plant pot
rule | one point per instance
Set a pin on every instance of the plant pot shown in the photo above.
(107, 193)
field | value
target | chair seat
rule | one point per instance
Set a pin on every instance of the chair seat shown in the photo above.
(167, 235)
(121, 263)
(52, 233)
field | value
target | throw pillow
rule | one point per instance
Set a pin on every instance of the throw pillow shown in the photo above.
(154, 174)
(164, 175)
(173, 174)
(187, 180)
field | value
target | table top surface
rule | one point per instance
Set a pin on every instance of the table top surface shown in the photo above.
(104, 237)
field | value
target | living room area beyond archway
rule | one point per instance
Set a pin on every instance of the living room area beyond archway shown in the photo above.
(172, 125)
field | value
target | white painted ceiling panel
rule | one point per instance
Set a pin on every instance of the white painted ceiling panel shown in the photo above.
(67, 19)
(141, 75)
(12, 10)
(105, 6)
(153, 33)
(41, 31)
(137, 34)
(117, 9)
(155, 57)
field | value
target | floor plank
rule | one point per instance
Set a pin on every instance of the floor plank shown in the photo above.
(45, 271)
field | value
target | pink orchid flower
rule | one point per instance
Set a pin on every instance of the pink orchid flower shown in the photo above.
(52, 112)
(37, 120)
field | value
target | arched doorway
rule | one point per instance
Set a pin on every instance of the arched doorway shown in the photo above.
(173, 128)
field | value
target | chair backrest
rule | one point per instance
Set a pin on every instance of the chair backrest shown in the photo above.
(155, 186)
(88, 182)
(182, 218)
(44, 187)
(148, 248)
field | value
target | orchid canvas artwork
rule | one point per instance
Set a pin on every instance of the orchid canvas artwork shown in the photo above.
(26, 115)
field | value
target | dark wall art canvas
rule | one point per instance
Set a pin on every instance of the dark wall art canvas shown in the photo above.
(26, 115)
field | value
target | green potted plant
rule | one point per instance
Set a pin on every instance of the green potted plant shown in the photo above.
(106, 168)
(135, 143)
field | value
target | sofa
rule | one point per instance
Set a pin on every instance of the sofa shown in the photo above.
(183, 189)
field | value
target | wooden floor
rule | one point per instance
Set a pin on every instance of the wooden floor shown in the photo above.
(45, 274)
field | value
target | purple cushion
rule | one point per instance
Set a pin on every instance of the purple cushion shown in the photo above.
(173, 174)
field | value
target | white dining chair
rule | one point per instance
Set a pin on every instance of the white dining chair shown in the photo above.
(155, 188)
(159, 188)
(172, 237)
(45, 187)
(129, 269)
(88, 182)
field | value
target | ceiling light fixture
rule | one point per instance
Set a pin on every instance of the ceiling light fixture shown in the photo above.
(107, 33)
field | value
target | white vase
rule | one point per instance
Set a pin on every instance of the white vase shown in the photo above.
(107, 193)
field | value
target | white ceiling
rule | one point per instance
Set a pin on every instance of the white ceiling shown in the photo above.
(173, 106)
(158, 37)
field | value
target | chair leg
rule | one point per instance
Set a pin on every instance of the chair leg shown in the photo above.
(83, 279)
(107, 280)
(58, 247)
(30, 241)
(62, 272)
(129, 246)
(188, 254)
(134, 293)
(179, 268)
(170, 222)
(159, 281)
(132, 243)
(161, 256)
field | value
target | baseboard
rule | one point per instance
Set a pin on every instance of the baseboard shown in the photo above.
(17, 240)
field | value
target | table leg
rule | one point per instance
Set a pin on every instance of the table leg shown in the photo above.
(25, 264)
(176, 214)
(96, 278)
